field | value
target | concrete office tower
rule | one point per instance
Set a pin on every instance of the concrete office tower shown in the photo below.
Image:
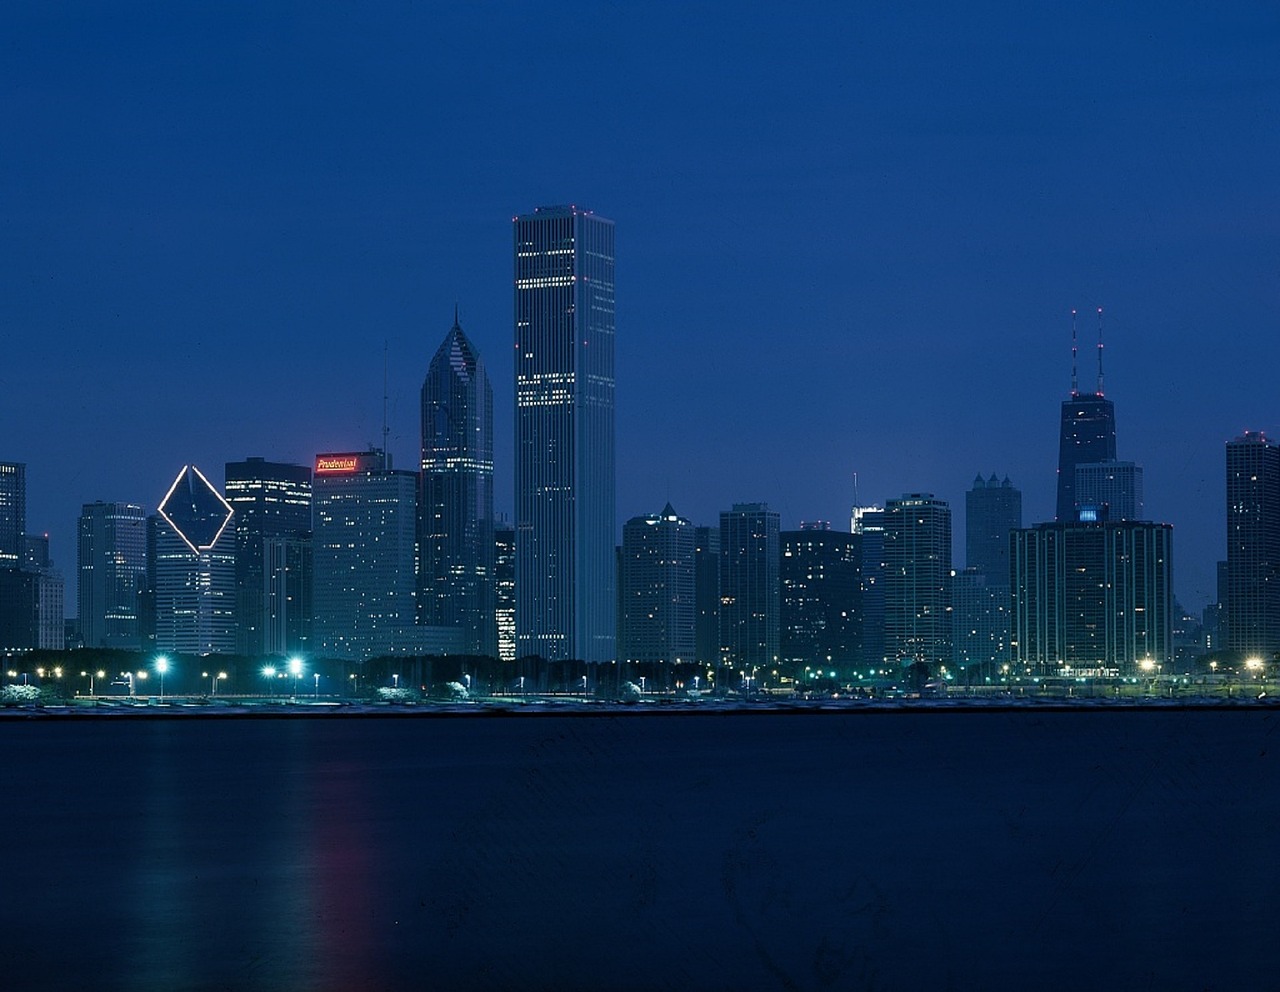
(272, 527)
(706, 582)
(504, 588)
(1253, 546)
(917, 581)
(112, 574)
(820, 598)
(1092, 597)
(455, 534)
(13, 513)
(1088, 431)
(658, 621)
(869, 526)
(364, 568)
(749, 592)
(195, 569)
(564, 336)
(993, 510)
(1115, 486)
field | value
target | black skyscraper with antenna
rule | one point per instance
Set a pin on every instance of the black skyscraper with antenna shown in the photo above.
(1088, 430)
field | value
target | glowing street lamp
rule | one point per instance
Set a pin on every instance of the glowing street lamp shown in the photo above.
(1254, 665)
(162, 666)
(269, 672)
(295, 669)
(317, 685)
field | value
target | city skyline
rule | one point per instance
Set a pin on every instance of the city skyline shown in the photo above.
(880, 251)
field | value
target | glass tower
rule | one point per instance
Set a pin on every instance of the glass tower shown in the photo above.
(750, 607)
(564, 335)
(455, 536)
(112, 574)
(917, 580)
(658, 622)
(272, 523)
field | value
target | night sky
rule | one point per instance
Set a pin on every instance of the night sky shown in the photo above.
(849, 238)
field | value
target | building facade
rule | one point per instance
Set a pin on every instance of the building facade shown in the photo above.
(820, 598)
(706, 594)
(455, 533)
(13, 513)
(272, 529)
(749, 593)
(1092, 598)
(504, 588)
(364, 568)
(657, 623)
(917, 581)
(1252, 608)
(195, 569)
(981, 617)
(993, 510)
(564, 357)
(111, 574)
(1087, 436)
(1115, 487)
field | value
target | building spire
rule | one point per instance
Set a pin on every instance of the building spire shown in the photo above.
(456, 327)
(1099, 351)
(385, 429)
(1075, 385)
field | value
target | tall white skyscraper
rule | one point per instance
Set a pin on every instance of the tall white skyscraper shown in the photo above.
(564, 335)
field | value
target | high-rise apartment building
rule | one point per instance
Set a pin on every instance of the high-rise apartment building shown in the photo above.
(820, 598)
(658, 621)
(917, 581)
(980, 624)
(112, 574)
(195, 568)
(1115, 487)
(564, 357)
(1253, 546)
(993, 510)
(455, 534)
(13, 513)
(749, 592)
(1092, 597)
(272, 528)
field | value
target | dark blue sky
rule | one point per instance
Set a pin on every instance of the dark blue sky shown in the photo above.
(847, 238)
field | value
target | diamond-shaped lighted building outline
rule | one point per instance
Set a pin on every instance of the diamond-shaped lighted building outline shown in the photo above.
(188, 509)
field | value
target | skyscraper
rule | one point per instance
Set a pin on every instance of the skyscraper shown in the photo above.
(993, 509)
(658, 620)
(364, 575)
(1253, 545)
(706, 582)
(504, 588)
(13, 513)
(455, 534)
(868, 524)
(917, 580)
(820, 597)
(1117, 486)
(1088, 431)
(195, 570)
(564, 337)
(1092, 597)
(112, 574)
(749, 591)
(272, 526)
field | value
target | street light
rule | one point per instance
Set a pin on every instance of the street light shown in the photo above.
(162, 666)
(295, 669)
(317, 685)
(269, 672)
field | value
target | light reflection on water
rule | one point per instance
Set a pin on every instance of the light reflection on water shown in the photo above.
(839, 851)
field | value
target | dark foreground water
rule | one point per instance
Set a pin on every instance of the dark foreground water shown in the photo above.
(1020, 850)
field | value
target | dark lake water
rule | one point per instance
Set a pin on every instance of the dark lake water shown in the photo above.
(1024, 849)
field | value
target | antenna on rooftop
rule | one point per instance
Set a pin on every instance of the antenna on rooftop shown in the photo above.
(1099, 351)
(1075, 385)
